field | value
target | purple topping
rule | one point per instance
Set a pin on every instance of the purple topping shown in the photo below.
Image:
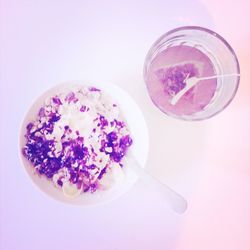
(103, 171)
(85, 172)
(71, 98)
(93, 187)
(78, 152)
(60, 183)
(94, 89)
(73, 176)
(57, 100)
(54, 118)
(50, 168)
(103, 121)
(112, 136)
(41, 112)
(119, 123)
(83, 108)
(125, 141)
(79, 184)
(86, 189)
(117, 156)
(92, 166)
(29, 126)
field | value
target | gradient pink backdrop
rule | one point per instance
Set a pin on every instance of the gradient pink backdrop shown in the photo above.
(43, 43)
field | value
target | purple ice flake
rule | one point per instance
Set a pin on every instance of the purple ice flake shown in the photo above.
(93, 187)
(125, 141)
(78, 152)
(71, 98)
(117, 156)
(59, 182)
(103, 171)
(41, 112)
(55, 118)
(112, 136)
(57, 100)
(94, 89)
(103, 121)
(119, 123)
(29, 126)
(84, 108)
(92, 166)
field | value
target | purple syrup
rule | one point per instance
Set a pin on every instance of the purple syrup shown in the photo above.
(166, 77)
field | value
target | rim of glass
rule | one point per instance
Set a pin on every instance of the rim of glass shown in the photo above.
(212, 33)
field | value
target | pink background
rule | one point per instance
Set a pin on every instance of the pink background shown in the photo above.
(46, 42)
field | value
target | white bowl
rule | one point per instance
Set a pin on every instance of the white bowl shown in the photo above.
(139, 148)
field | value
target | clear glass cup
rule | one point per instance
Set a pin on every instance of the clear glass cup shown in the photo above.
(185, 48)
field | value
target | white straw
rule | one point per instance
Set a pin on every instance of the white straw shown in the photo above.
(191, 82)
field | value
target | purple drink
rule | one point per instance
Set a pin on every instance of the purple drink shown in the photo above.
(167, 75)
(176, 69)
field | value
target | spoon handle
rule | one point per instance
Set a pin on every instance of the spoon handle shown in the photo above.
(175, 201)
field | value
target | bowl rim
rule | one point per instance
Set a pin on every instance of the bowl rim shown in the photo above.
(70, 84)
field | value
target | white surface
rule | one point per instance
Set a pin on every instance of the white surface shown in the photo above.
(47, 42)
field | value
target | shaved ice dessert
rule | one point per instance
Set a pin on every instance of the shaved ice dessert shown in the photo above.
(78, 141)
